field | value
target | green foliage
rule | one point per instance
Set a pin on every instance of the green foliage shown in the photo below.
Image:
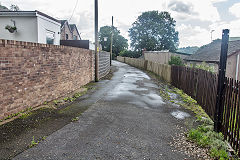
(189, 50)
(56, 102)
(219, 154)
(75, 119)
(119, 42)
(154, 30)
(206, 67)
(17, 114)
(75, 96)
(204, 136)
(132, 54)
(33, 142)
(25, 115)
(175, 60)
(198, 136)
(66, 99)
(14, 7)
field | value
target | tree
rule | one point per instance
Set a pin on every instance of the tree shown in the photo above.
(119, 42)
(154, 31)
(14, 7)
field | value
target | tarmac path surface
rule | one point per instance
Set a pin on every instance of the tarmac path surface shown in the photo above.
(127, 119)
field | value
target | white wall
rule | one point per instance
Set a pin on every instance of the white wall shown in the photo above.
(26, 29)
(91, 45)
(45, 24)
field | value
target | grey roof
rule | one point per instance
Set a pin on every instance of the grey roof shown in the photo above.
(211, 52)
(63, 22)
(29, 13)
(72, 26)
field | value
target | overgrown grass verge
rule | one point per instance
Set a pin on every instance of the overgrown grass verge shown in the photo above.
(204, 135)
(20, 114)
(53, 104)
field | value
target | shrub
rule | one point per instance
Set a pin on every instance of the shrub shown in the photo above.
(175, 60)
(206, 67)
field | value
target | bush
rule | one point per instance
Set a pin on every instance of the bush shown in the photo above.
(206, 67)
(175, 60)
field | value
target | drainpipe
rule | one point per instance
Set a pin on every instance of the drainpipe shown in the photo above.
(237, 66)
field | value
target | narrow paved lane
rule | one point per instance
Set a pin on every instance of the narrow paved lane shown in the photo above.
(127, 119)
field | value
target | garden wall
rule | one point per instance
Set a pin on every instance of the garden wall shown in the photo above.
(161, 56)
(32, 73)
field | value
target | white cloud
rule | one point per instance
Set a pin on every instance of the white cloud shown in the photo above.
(232, 25)
(194, 9)
(218, 1)
(187, 13)
(235, 10)
(193, 35)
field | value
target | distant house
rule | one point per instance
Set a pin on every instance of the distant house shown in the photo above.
(211, 55)
(31, 26)
(162, 57)
(69, 31)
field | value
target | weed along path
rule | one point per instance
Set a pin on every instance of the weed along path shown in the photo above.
(126, 119)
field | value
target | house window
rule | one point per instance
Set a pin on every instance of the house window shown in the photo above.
(50, 37)
(66, 36)
(74, 37)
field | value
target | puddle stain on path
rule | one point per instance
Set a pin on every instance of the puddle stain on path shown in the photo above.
(131, 91)
(180, 115)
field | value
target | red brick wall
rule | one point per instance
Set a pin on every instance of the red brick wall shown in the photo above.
(32, 73)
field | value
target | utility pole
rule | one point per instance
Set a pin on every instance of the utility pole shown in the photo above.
(211, 34)
(96, 42)
(111, 44)
(218, 117)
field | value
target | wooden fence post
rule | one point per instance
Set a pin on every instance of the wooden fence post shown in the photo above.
(218, 117)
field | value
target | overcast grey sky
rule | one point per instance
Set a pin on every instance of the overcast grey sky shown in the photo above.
(195, 18)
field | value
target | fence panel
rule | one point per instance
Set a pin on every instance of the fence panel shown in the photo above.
(199, 84)
(231, 119)
(202, 86)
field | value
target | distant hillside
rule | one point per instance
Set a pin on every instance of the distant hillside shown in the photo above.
(189, 50)
(3, 8)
